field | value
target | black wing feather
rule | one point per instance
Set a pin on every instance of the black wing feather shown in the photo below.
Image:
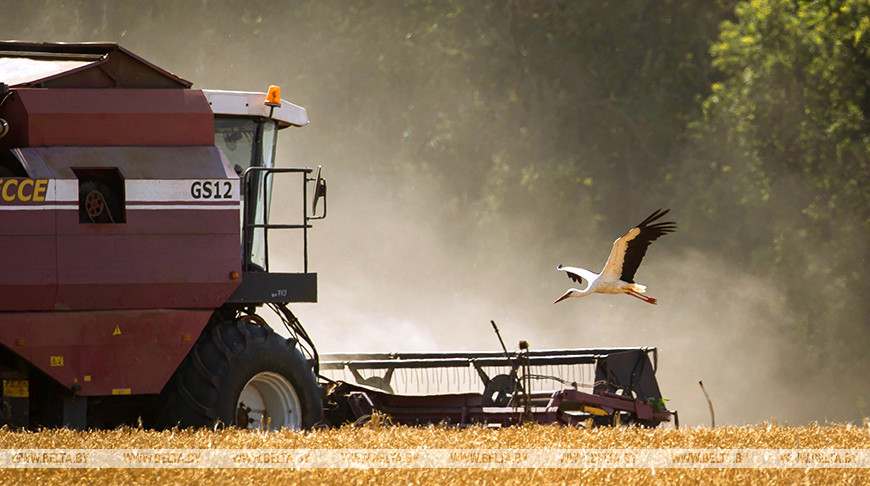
(573, 276)
(636, 249)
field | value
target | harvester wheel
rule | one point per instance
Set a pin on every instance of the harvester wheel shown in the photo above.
(243, 374)
(499, 391)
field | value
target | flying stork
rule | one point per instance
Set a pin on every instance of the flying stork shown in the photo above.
(618, 274)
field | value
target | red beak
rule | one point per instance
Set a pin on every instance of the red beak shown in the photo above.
(563, 297)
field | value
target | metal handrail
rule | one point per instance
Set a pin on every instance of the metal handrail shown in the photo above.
(249, 226)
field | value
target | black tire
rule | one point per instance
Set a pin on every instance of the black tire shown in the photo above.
(499, 391)
(206, 388)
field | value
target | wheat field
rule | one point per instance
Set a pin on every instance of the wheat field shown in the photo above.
(766, 436)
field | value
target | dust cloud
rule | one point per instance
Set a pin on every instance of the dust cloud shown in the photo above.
(403, 266)
(394, 278)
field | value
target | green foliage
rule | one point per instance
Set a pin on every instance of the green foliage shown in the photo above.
(795, 98)
(793, 107)
(785, 144)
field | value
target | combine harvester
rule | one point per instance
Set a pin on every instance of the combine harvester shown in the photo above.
(134, 228)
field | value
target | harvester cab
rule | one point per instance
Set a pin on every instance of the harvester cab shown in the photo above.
(246, 126)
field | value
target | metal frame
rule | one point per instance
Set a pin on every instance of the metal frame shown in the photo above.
(390, 362)
(259, 285)
(625, 385)
(562, 407)
(248, 226)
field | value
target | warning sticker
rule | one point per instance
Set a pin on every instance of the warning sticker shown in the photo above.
(15, 389)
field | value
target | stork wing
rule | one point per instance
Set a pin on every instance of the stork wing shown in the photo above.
(578, 274)
(630, 249)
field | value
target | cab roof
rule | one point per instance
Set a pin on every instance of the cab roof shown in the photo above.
(244, 103)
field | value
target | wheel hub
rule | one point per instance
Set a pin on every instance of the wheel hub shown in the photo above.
(268, 402)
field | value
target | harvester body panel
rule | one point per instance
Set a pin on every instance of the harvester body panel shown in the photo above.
(108, 117)
(119, 352)
(119, 218)
(175, 249)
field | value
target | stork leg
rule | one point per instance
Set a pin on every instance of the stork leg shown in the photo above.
(648, 300)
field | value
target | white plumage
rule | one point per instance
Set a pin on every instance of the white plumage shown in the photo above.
(626, 255)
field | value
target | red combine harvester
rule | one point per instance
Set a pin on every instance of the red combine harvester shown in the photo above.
(134, 248)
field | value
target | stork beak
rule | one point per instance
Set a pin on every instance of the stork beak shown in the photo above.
(563, 297)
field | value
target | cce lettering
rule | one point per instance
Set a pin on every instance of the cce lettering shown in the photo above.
(24, 190)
